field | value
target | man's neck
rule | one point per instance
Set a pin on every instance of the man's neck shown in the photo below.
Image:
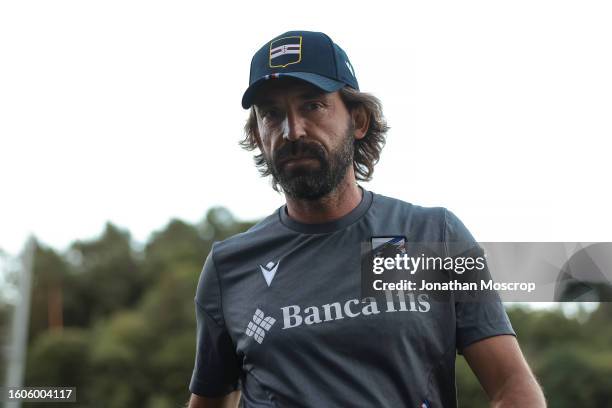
(333, 206)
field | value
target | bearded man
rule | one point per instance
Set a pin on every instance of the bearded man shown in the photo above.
(281, 320)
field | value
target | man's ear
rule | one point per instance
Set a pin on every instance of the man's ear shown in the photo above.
(361, 121)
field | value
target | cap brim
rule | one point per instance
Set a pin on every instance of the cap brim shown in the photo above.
(322, 82)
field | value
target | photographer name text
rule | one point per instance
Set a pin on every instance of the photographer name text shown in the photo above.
(454, 285)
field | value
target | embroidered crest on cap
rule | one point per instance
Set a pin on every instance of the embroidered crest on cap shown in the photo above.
(285, 51)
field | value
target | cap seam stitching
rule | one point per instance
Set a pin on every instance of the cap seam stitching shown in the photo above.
(333, 50)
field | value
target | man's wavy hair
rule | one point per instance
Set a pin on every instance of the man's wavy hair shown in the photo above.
(367, 149)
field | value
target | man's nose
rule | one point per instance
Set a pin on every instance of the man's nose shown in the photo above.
(294, 126)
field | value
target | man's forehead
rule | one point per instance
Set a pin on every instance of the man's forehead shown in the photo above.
(277, 88)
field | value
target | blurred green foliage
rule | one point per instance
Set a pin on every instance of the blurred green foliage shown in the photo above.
(570, 356)
(124, 332)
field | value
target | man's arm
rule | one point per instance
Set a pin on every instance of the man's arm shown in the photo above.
(231, 400)
(503, 372)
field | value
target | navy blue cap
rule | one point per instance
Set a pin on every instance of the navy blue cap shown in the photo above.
(310, 56)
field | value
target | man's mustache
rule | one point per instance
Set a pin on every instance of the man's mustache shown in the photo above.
(298, 149)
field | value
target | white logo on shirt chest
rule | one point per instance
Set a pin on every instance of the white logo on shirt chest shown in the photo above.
(295, 316)
(259, 325)
(269, 271)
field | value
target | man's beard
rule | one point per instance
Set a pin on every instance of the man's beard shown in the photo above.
(307, 183)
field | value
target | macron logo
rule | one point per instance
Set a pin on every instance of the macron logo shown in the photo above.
(269, 271)
(259, 325)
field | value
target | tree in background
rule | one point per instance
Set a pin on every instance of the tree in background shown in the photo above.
(105, 276)
(48, 277)
(130, 313)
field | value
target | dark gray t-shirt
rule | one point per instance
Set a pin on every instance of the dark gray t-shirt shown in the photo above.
(279, 315)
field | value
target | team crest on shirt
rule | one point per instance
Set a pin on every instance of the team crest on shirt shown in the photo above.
(285, 51)
(382, 246)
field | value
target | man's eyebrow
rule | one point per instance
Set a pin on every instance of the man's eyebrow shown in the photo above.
(313, 94)
(263, 103)
(307, 94)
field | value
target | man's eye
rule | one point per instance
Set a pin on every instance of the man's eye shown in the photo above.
(313, 106)
(271, 114)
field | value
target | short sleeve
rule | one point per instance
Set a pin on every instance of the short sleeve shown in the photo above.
(217, 368)
(481, 318)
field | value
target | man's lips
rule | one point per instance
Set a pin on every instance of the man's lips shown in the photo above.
(296, 160)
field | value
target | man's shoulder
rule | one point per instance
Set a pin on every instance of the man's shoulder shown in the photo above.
(392, 205)
(434, 224)
(262, 231)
